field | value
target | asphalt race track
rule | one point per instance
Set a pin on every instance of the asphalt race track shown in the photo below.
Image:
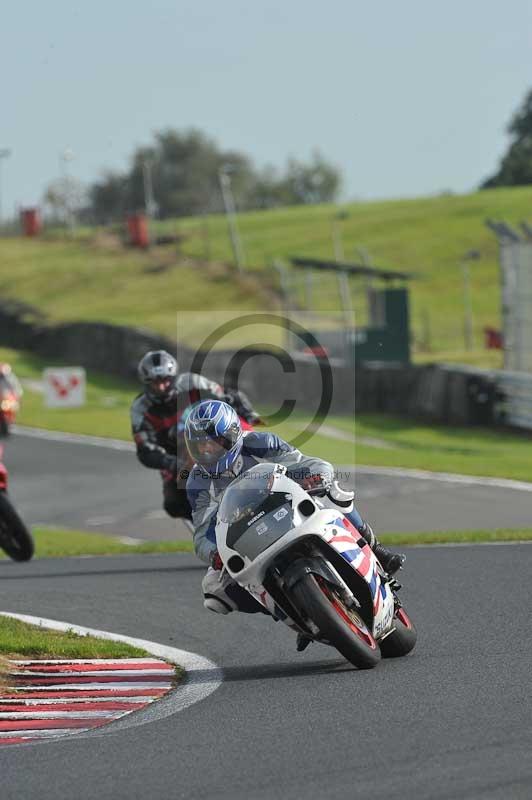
(106, 490)
(452, 720)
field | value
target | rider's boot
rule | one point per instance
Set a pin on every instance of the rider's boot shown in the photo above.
(302, 642)
(391, 562)
(222, 595)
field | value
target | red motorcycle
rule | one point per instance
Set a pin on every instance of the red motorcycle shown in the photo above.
(10, 394)
(15, 538)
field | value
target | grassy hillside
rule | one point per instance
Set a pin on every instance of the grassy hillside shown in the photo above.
(427, 235)
(94, 277)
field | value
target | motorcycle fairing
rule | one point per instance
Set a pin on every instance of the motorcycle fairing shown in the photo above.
(346, 540)
(326, 523)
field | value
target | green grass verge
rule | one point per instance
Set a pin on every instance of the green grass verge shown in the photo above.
(51, 543)
(389, 441)
(386, 441)
(20, 640)
(59, 543)
(106, 412)
(18, 637)
(401, 442)
(93, 277)
(452, 537)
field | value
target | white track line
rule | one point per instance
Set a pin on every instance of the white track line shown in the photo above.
(61, 714)
(52, 661)
(395, 472)
(40, 733)
(202, 677)
(501, 543)
(79, 687)
(51, 701)
(73, 438)
(149, 673)
(441, 477)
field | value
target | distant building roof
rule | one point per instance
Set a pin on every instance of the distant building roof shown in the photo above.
(353, 269)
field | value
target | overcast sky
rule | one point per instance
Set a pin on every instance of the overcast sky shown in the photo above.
(406, 98)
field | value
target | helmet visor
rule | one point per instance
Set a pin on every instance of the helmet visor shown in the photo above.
(207, 449)
(161, 387)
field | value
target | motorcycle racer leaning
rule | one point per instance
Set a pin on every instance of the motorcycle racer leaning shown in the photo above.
(155, 415)
(222, 452)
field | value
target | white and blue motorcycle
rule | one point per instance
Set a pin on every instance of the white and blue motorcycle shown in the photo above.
(309, 567)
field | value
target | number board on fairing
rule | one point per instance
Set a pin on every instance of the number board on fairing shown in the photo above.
(267, 525)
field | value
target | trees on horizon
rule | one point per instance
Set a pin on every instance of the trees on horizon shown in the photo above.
(516, 165)
(184, 172)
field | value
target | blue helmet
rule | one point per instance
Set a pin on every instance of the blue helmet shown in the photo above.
(213, 435)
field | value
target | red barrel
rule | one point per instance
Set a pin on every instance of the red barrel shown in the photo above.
(138, 230)
(493, 339)
(31, 221)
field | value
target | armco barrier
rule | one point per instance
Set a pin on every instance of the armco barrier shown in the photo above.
(515, 399)
(435, 393)
(109, 348)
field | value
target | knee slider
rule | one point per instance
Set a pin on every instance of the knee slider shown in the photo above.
(215, 604)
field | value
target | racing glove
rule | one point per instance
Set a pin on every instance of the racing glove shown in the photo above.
(314, 483)
(216, 561)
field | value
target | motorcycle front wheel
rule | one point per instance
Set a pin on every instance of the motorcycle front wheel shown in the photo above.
(402, 640)
(339, 624)
(15, 538)
(4, 426)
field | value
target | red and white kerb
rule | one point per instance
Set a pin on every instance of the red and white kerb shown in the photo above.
(53, 698)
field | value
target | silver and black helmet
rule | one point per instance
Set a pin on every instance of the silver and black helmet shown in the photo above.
(158, 372)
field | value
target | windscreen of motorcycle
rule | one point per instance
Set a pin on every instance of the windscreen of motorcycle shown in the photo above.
(256, 515)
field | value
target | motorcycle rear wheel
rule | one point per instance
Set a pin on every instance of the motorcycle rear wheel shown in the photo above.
(4, 427)
(340, 625)
(15, 538)
(403, 638)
